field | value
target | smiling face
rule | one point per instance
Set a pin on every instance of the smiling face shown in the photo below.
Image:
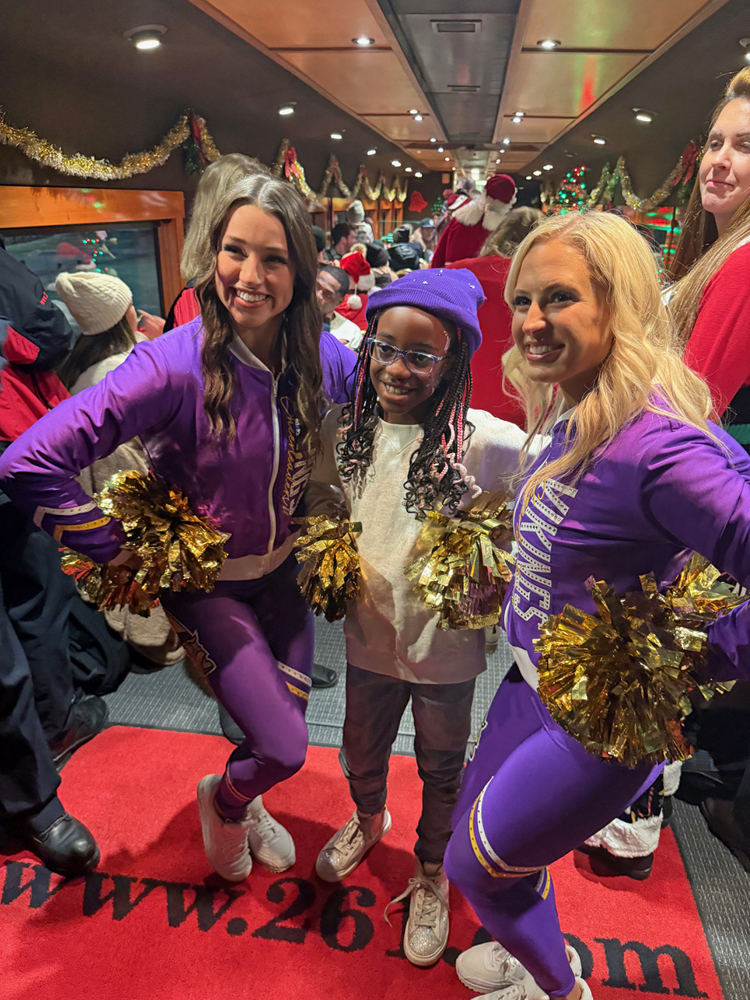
(561, 323)
(254, 273)
(403, 396)
(724, 174)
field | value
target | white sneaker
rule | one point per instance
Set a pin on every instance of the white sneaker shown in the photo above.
(486, 967)
(270, 843)
(348, 846)
(225, 840)
(520, 991)
(426, 933)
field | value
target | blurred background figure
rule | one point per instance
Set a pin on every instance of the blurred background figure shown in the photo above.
(361, 283)
(377, 257)
(471, 224)
(332, 288)
(426, 236)
(343, 236)
(355, 216)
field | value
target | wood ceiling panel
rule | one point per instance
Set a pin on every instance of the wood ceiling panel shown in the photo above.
(602, 24)
(564, 84)
(403, 128)
(542, 130)
(322, 24)
(368, 82)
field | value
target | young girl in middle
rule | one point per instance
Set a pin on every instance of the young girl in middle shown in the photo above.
(407, 444)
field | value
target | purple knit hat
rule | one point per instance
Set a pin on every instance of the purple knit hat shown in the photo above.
(452, 294)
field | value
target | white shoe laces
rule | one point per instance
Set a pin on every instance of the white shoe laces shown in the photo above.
(264, 825)
(349, 839)
(425, 908)
(499, 959)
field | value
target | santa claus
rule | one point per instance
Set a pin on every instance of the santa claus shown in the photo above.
(472, 223)
(361, 282)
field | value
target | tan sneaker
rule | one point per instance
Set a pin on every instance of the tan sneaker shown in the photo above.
(225, 841)
(487, 967)
(426, 933)
(270, 843)
(526, 991)
(348, 846)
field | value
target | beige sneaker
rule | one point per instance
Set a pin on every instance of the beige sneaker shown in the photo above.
(225, 841)
(426, 933)
(270, 843)
(348, 846)
(524, 991)
(487, 967)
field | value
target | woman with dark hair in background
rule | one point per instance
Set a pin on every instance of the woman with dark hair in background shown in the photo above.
(229, 409)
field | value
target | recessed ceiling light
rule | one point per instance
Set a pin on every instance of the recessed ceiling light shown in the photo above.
(745, 43)
(147, 36)
(520, 114)
(395, 163)
(537, 173)
(364, 41)
(418, 173)
(548, 166)
(413, 111)
(408, 169)
(516, 119)
(498, 161)
(371, 152)
(600, 140)
(447, 159)
(528, 177)
(418, 118)
(287, 109)
(549, 43)
(336, 135)
(643, 115)
(506, 142)
(433, 140)
(440, 149)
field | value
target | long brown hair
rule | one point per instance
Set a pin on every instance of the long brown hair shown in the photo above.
(90, 350)
(700, 252)
(302, 322)
(503, 240)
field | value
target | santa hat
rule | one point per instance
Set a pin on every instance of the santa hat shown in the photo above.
(492, 206)
(359, 270)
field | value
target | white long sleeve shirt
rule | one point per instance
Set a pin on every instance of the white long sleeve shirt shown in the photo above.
(388, 628)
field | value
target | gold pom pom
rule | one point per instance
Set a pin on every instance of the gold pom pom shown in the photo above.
(178, 549)
(465, 573)
(622, 682)
(329, 577)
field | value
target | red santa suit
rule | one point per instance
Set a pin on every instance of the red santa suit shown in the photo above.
(471, 224)
(354, 305)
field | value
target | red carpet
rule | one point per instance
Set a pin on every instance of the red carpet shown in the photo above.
(157, 926)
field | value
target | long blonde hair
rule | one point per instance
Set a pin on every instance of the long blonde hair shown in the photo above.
(302, 319)
(643, 370)
(700, 252)
(217, 179)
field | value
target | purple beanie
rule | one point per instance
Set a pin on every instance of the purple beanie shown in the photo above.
(452, 294)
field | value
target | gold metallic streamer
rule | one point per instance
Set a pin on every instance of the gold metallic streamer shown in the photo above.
(465, 573)
(178, 549)
(621, 682)
(329, 577)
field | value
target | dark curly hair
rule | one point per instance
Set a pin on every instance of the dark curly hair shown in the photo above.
(434, 479)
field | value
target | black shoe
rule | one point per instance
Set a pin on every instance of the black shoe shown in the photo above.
(323, 677)
(65, 847)
(229, 727)
(87, 718)
(607, 865)
(719, 814)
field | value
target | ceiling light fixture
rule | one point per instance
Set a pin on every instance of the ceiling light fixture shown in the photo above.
(537, 173)
(287, 109)
(433, 140)
(447, 159)
(364, 41)
(498, 161)
(643, 115)
(506, 142)
(371, 152)
(418, 118)
(418, 173)
(600, 140)
(548, 44)
(146, 36)
(745, 43)
(516, 119)
(528, 177)
(408, 169)
(413, 111)
(395, 163)
(520, 114)
(548, 166)
(440, 149)
(337, 135)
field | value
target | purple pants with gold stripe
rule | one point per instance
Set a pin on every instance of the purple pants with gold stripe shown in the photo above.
(253, 641)
(530, 794)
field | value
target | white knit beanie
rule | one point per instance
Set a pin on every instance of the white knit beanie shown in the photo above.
(97, 301)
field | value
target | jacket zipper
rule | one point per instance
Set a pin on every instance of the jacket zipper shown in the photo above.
(276, 456)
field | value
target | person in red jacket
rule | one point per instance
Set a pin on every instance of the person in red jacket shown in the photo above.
(491, 267)
(471, 224)
(361, 283)
(709, 305)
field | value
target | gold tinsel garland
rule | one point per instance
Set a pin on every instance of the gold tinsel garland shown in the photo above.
(178, 548)
(286, 164)
(465, 573)
(622, 681)
(329, 577)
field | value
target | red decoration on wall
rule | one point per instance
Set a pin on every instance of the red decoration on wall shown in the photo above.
(417, 202)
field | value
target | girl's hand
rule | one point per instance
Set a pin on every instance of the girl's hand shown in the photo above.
(152, 326)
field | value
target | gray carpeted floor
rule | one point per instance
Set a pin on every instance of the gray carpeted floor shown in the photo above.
(170, 700)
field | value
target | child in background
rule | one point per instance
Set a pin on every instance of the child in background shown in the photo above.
(410, 445)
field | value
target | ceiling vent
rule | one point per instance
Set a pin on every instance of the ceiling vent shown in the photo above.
(465, 27)
(463, 88)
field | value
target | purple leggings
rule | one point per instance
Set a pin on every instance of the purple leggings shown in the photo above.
(530, 794)
(253, 641)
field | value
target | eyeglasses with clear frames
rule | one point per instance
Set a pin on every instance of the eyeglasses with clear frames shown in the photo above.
(418, 362)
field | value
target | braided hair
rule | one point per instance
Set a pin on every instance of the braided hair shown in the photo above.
(436, 477)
